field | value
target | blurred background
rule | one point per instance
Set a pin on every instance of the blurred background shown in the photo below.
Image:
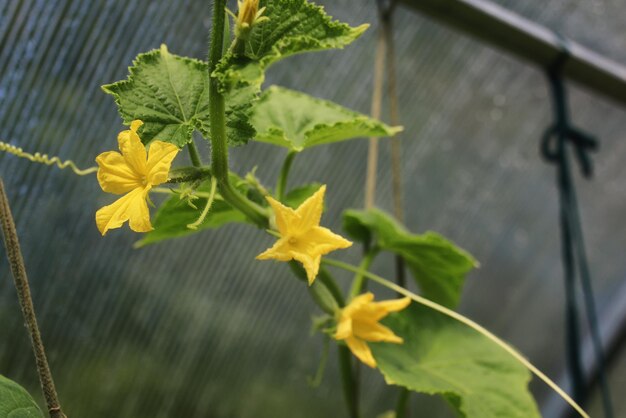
(196, 327)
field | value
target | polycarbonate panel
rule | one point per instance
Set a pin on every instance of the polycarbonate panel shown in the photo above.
(196, 327)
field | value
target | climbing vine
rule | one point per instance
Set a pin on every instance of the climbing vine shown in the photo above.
(417, 342)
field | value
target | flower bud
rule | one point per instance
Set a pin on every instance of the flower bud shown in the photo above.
(249, 15)
(247, 12)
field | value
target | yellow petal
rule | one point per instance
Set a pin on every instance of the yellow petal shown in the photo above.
(310, 263)
(114, 175)
(281, 251)
(357, 304)
(344, 329)
(360, 300)
(323, 240)
(361, 351)
(133, 150)
(160, 156)
(373, 331)
(393, 305)
(310, 212)
(247, 12)
(285, 216)
(377, 310)
(135, 125)
(130, 207)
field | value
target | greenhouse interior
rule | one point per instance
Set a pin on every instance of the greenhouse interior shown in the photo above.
(312, 208)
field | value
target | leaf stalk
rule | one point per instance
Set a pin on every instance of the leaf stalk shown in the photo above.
(359, 281)
(281, 186)
(194, 156)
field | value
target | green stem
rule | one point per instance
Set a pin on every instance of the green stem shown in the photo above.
(253, 211)
(194, 156)
(219, 147)
(464, 320)
(402, 405)
(323, 298)
(203, 195)
(326, 286)
(188, 174)
(358, 284)
(316, 380)
(348, 380)
(331, 284)
(349, 373)
(324, 291)
(281, 186)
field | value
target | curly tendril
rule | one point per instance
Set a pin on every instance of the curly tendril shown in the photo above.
(45, 159)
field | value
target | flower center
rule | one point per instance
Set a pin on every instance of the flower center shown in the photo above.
(292, 241)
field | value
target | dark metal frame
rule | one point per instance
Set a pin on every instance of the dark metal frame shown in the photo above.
(529, 41)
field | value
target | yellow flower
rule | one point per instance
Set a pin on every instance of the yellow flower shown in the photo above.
(133, 172)
(358, 323)
(247, 11)
(301, 237)
(248, 16)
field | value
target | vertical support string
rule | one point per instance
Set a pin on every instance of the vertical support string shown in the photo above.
(394, 114)
(18, 269)
(386, 20)
(377, 99)
(372, 149)
(387, 48)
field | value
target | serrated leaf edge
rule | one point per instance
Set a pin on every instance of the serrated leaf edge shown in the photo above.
(383, 129)
(144, 58)
(227, 75)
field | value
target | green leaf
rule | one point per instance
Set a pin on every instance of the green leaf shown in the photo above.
(170, 94)
(438, 266)
(15, 402)
(298, 121)
(293, 26)
(442, 356)
(239, 105)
